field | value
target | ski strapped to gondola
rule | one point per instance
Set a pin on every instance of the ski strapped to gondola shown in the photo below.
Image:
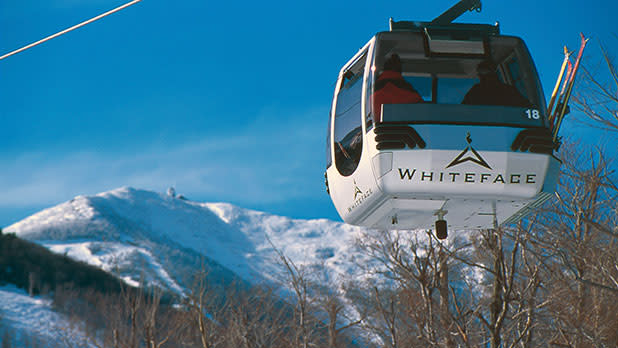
(563, 101)
(554, 94)
(560, 101)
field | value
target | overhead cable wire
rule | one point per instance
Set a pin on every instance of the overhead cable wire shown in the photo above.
(69, 29)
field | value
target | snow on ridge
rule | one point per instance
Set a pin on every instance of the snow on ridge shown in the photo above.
(77, 251)
(325, 246)
(224, 211)
(61, 221)
(237, 238)
(241, 240)
(110, 257)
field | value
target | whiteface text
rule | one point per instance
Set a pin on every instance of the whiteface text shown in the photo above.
(407, 174)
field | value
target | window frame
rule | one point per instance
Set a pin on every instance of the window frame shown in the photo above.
(359, 64)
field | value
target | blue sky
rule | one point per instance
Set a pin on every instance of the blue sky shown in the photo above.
(226, 101)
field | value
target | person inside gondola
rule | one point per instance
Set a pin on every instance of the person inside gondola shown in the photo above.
(491, 91)
(392, 88)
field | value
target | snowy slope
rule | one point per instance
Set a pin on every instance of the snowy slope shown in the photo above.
(165, 240)
(23, 318)
(133, 233)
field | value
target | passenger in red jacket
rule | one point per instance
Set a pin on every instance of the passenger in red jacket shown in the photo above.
(392, 88)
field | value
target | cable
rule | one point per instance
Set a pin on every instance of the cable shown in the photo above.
(69, 29)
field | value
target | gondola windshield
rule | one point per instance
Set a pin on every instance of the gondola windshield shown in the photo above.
(491, 80)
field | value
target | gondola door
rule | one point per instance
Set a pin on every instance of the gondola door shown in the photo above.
(350, 178)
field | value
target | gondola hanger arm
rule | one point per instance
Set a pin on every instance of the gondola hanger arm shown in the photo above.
(69, 29)
(457, 10)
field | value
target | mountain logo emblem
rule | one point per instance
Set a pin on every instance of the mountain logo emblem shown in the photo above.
(357, 191)
(476, 158)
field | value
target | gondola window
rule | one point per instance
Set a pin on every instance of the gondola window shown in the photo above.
(348, 139)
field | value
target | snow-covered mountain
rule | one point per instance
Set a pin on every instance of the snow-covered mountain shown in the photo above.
(164, 239)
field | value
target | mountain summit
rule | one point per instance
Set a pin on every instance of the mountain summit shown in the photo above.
(161, 238)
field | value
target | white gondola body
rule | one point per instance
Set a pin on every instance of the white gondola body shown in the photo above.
(467, 173)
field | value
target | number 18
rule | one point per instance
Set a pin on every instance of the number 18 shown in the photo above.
(533, 114)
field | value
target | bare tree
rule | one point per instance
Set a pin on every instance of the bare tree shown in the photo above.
(334, 307)
(156, 329)
(507, 312)
(422, 307)
(597, 98)
(300, 284)
(256, 318)
(204, 313)
(578, 235)
(481, 291)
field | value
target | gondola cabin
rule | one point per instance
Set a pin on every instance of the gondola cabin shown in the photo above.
(436, 125)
